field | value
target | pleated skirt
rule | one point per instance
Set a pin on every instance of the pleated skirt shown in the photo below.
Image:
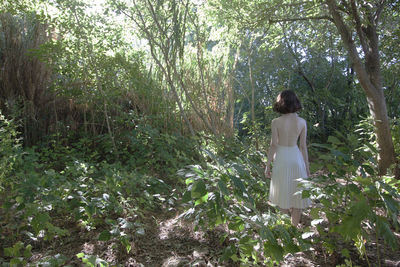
(288, 166)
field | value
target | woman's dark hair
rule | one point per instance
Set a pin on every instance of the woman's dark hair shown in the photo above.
(287, 102)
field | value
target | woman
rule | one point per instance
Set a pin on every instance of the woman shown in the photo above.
(290, 162)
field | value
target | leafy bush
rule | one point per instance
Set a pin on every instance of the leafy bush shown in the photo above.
(358, 205)
(148, 148)
(233, 193)
(57, 183)
(10, 151)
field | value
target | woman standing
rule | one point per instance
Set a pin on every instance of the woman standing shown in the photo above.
(290, 160)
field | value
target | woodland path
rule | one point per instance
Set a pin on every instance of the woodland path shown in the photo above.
(171, 241)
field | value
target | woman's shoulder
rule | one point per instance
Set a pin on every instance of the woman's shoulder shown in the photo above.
(302, 121)
(275, 120)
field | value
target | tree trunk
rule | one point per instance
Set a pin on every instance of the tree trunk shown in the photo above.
(370, 78)
(252, 104)
(377, 107)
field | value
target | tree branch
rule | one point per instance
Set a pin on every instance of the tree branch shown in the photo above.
(359, 29)
(348, 41)
(300, 70)
(379, 10)
(300, 19)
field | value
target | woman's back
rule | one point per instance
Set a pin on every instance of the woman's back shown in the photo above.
(290, 161)
(289, 127)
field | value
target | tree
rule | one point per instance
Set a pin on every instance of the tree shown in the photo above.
(179, 42)
(357, 23)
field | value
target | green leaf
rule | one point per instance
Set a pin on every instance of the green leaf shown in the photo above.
(334, 140)
(346, 253)
(40, 221)
(238, 184)
(383, 229)
(125, 241)
(314, 213)
(14, 251)
(354, 189)
(201, 200)
(266, 234)
(360, 209)
(187, 196)
(228, 252)
(349, 228)
(27, 251)
(9, 252)
(104, 236)
(80, 255)
(199, 189)
(359, 242)
(19, 199)
(17, 261)
(390, 203)
(305, 194)
(273, 250)
(222, 187)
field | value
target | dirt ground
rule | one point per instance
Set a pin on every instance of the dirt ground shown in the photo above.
(169, 240)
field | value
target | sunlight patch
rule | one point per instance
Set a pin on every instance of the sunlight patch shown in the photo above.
(167, 227)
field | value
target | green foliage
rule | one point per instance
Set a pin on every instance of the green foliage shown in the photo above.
(232, 192)
(91, 260)
(18, 253)
(396, 137)
(358, 204)
(10, 151)
(146, 147)
(76, 184)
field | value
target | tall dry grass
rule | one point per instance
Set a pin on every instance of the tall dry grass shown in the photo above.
(24, 79)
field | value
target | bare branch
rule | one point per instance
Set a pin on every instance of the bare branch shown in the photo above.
(379, 10)
(300, 70)
(351, 47)
(300, 19)
(358, 25)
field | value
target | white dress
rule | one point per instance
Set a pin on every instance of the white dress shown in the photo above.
(288, 166)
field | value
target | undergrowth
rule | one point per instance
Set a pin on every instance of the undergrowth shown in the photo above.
(79, 182)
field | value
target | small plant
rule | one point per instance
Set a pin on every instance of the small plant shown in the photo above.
(92, 260)
(19, 253)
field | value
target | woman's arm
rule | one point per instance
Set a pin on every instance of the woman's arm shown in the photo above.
(272, 148)
(303, 147)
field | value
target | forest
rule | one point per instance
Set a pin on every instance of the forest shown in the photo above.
(136, 132)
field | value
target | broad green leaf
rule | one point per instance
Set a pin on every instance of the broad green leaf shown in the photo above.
(346, 253)
(334, 140)
(384, 230)
(104, 236)
(314, 213)
(222, 187)
(266, 234)
(273, 250)
(27, 251)
(199, 189)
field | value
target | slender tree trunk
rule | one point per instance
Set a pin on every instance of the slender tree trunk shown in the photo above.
(230, 112)
(252, 104)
